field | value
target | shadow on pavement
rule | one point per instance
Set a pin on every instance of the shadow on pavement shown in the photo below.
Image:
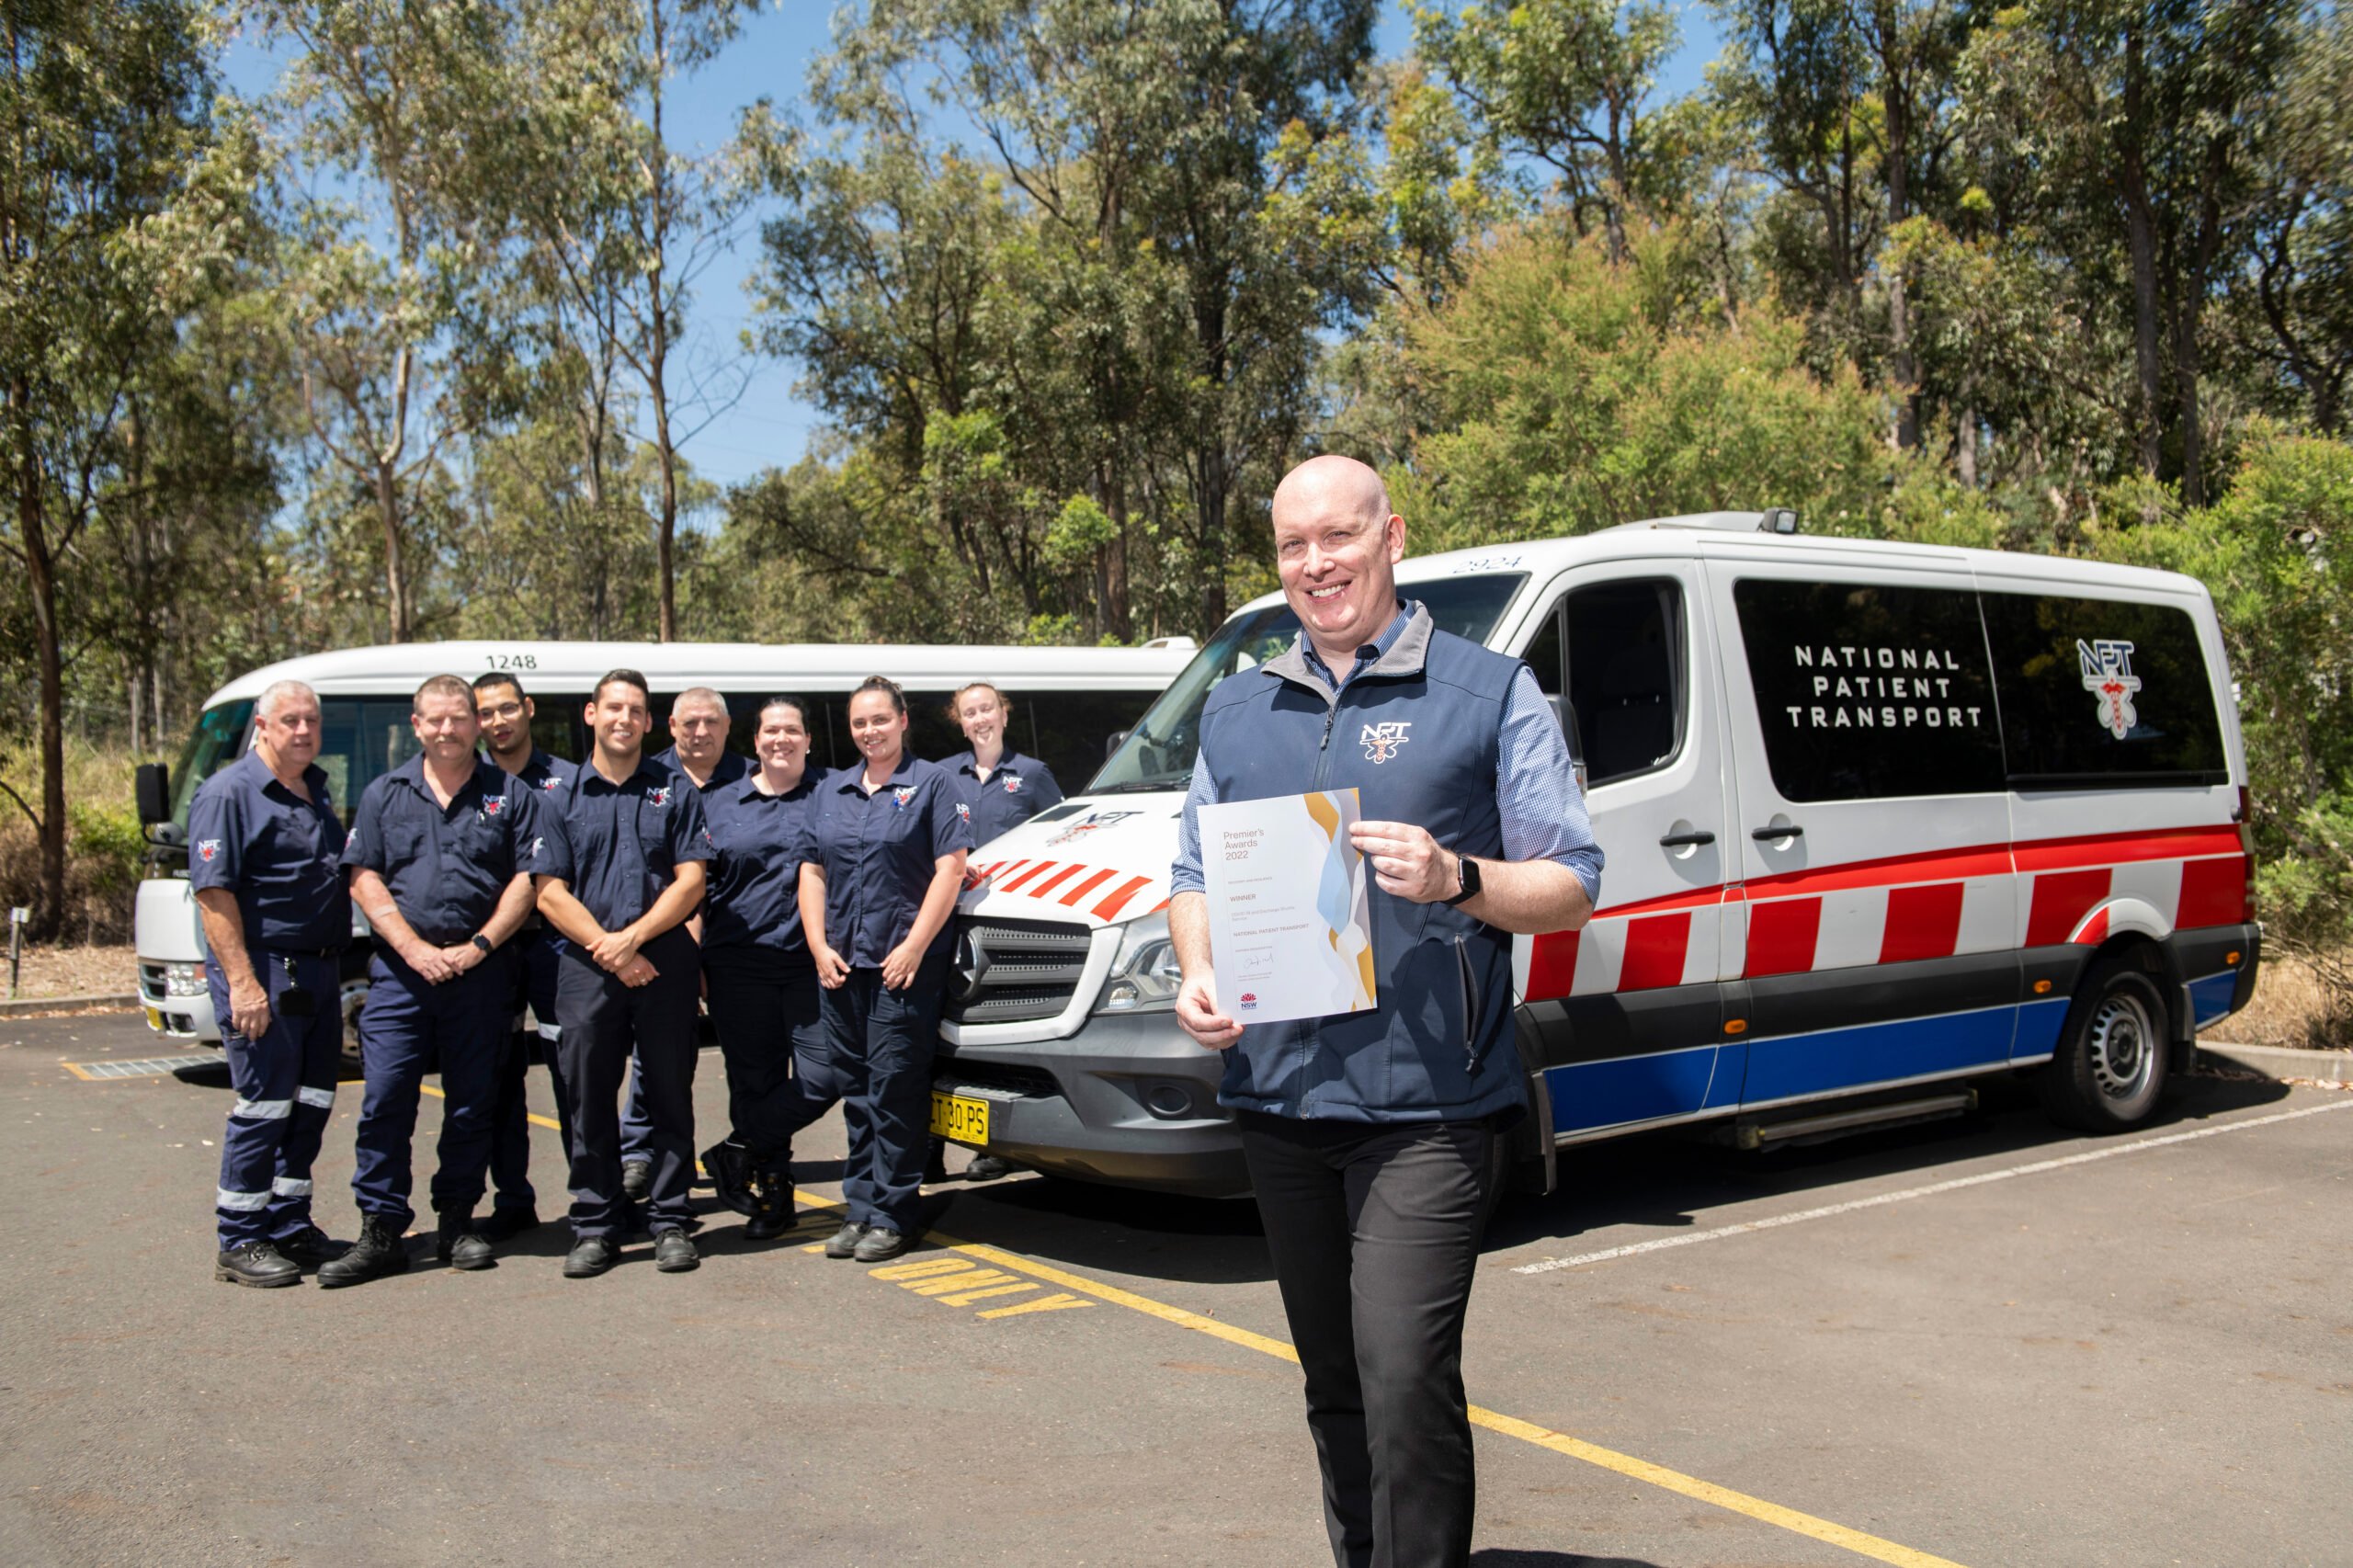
(1506, 1557)
(1146, 1234)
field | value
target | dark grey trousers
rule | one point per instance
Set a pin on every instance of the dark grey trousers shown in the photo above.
(1374, 1233)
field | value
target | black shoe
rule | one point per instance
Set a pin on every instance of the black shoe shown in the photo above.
(674, 1251)
(729, 1165)
(506, 1222)
(590, 1257)
(378, 1252)
(845, 1240)
(257, 1264)
(460, 1244)
(879, 1242)
(309, 1247)
(988, 1167)
(934, 1165)
(772, 1209)
(637, 1179)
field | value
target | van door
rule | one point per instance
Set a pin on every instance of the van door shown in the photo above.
(1876, 926)
(1626, 1013)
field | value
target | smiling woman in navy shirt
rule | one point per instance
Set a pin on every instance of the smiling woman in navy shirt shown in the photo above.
(761, 987)
(884, 859)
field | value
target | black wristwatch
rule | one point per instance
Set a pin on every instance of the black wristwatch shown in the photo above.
(483, 942)
(1466, 872)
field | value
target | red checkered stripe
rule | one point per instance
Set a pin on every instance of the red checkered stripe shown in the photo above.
(1903, 908)
(1072, 885)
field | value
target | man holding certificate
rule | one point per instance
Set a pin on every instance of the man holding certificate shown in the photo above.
(1370, 1062)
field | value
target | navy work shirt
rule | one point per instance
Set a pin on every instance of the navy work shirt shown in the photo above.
(878, 853)
(280, 854)
(544, 772)
(1017, 790)
(619, 847)
(730, 767)
(753, 902)
(444, 866)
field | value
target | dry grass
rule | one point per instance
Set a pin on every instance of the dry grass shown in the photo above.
(101, 971)
(2293, 1003)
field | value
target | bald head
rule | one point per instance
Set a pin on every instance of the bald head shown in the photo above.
(1336, 543)
(1333, 483)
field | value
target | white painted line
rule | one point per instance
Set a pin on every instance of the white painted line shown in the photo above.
(1747, 1227)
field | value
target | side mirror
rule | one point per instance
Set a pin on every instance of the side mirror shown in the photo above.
(1566, 717)
(152, 787)
(1117, 739)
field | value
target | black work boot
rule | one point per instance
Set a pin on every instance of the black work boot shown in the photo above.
(310, 1247)
(460, 1244)
(637, 1178)
(729, 1165)
(772, 1210)
(845, 1241)
(257, 1264)
(378, 1252)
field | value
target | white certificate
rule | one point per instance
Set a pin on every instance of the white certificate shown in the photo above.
(1289, 932)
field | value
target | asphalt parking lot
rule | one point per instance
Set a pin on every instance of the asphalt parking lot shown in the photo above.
(1983, 1342)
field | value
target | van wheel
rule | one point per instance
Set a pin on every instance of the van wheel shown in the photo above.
(2109, 1068)
(355, 994)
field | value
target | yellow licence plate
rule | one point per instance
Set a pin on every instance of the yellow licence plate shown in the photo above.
(155, 1019)
(960, 1120)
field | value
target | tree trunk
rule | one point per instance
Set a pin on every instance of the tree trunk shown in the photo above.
(1895, 98)
(388, 516)
(1964, 445)
(2139, 225)
(48, 911)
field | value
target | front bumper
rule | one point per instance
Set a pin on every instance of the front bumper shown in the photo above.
(1128, 1100)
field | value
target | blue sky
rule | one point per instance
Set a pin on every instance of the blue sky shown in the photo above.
(769, 426)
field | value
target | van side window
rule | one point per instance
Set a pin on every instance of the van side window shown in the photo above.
(1869, 690)
(2102, 692)
(1615, 652)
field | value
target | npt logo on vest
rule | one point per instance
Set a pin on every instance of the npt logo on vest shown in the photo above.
(1381, 740)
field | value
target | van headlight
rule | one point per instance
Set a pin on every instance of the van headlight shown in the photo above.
(183, 980)
(1145, 974)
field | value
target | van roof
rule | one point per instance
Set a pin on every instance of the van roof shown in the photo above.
(1741, 536)
(813, 668)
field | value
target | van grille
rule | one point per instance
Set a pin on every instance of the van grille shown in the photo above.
(1009, 972)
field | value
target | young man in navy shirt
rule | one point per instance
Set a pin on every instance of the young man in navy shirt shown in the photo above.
(265, 848)
(505, 711)
(435, 864)
(619, 868)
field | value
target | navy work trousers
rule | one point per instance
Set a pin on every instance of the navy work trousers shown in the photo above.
(285, 1082)
(765, 1009)
(881, 1044)
(601, 1020)
(1374, 1232)
(532, 960)
(407, 1025)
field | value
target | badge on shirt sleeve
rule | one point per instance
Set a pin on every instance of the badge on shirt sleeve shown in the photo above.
(963, 810)
(206, 848)
(902, 795)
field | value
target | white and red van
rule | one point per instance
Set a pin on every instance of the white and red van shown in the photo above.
(1880, 820)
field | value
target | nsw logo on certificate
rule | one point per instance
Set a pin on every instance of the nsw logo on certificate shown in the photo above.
(1289, 937)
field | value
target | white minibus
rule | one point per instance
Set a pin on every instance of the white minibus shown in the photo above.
(1067, 702)
(1882, 819)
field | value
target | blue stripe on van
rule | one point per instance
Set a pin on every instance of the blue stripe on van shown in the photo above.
(1831, 1059)
(1631, 1089)
(2039, 1027)
(2209, 999)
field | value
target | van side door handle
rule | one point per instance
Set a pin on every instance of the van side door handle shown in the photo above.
(1766, 835)
(1677, 840)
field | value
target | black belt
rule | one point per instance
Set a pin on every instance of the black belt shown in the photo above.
(276, 951)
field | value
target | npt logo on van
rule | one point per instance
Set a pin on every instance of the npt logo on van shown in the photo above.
(2107, 664)
(1381, 740)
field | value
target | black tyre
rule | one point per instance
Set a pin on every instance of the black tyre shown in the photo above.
(2110, 1069)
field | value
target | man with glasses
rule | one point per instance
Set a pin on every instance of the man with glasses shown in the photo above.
(435, 857)
(265, 852)
(506, 711)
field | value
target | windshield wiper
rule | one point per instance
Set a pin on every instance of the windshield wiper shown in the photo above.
(1141, 786)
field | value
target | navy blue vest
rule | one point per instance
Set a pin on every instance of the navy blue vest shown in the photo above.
(1417, 735)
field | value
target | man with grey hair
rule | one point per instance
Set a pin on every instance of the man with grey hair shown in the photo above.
(265, 857)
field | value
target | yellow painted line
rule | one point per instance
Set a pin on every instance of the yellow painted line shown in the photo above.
(1860, 1542)
(535, 1119)
(75, 1068)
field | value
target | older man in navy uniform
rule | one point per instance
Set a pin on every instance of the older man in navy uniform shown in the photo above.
(620, 868)
(436, 868)
(264, 860)
(1369, 1136)
(505, 711)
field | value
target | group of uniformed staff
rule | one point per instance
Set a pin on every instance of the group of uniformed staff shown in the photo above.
(808, 912)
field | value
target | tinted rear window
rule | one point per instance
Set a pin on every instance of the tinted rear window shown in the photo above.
(1870, 692)
(2102, 693)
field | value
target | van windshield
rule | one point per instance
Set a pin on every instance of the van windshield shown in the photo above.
(1158, 752)
(359, 737)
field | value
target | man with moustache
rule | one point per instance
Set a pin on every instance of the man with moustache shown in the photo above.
(1369, 1135)
(435, 863)
(505, 711)
(265, 861)
(619, 867)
